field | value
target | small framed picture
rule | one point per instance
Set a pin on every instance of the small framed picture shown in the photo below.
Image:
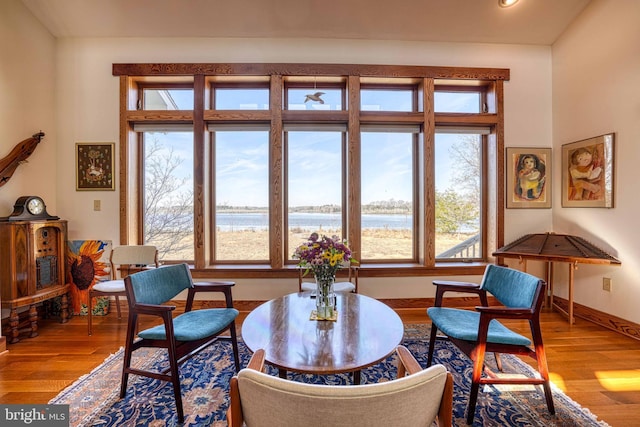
(528, 173)
(95, 168)
(588, 173)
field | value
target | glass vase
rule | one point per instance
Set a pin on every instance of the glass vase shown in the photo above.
(325, 297)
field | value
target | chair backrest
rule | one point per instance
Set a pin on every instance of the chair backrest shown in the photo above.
(511, 287)
(409, 401)
(139, 255)
(158, 285)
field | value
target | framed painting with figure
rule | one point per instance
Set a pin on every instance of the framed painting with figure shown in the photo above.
(528, 177)
(95, 166)
(588, 173)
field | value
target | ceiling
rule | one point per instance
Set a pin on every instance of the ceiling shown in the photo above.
(538, 22)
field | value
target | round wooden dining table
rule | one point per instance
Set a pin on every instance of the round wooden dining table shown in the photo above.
(365, 332)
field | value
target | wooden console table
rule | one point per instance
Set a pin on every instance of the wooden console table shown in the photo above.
(551, 247)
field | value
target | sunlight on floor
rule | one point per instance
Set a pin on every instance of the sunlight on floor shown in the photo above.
(557, 380)
(627, 380)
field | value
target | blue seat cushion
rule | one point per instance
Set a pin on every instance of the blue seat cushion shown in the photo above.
(463, 325)
(194, 325)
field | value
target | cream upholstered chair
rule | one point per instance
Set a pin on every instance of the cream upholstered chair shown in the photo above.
(138, 256)
(261, 400)
(349, 285)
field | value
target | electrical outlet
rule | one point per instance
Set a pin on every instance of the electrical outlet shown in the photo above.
(606, 284)
(96, 205)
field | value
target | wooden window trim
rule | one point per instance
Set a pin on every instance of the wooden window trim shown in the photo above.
(356, 76)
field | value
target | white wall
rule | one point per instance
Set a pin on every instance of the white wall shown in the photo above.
(27, 93)
(596, 90)
(88, 111)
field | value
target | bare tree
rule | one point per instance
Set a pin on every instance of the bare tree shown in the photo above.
(460, 208)
(168, 202)
(467, 154)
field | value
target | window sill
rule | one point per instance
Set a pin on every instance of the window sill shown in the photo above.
(368, 270)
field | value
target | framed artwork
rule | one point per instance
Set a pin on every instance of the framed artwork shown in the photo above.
(528, 177)
(95, 166)
(87, 264)
(587, 173)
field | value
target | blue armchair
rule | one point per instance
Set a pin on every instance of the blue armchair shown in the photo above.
(183, 335)
(477, 332)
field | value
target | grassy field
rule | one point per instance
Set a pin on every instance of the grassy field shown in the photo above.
(376, 243)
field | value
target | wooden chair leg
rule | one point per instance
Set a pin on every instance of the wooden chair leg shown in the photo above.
(476, 375)
(234, 344)
(175, 381)
(498, 361)
(126, 362)
(543, 369)
(118, 307)
(89, 315)
(432, 344)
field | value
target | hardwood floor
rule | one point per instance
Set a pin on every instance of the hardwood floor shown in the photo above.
(596, 367)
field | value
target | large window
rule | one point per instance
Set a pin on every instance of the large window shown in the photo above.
(458, 172)
(233, 171)
(241, 220)
(168, 193)
(314, 184)
(388, 191)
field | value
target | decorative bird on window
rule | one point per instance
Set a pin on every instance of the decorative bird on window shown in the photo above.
(315, 97)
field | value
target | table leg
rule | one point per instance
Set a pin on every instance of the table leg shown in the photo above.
(572, 268)
(549, 285)
(356, 377)
(282, 373)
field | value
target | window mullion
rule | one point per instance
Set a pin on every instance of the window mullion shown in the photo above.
(277, 233)
(353, 169)
(427, 183)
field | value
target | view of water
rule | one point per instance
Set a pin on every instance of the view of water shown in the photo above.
(311, 221)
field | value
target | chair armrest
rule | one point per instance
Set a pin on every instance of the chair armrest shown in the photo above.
(505, 312)
(257, 360)
(153, 309)
(212, 286)
(407, 364)
(443, 286)
(222, 287)
(234, 413)
(457, 286)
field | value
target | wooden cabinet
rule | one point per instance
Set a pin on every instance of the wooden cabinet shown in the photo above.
(32, 269)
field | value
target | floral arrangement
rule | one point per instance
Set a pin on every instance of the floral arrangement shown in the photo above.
(323, 255)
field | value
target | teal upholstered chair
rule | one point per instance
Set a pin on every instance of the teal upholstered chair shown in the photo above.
(182, 335)
(477, 332)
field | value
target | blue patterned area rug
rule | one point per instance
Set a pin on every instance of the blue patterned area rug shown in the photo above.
(94, 399)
